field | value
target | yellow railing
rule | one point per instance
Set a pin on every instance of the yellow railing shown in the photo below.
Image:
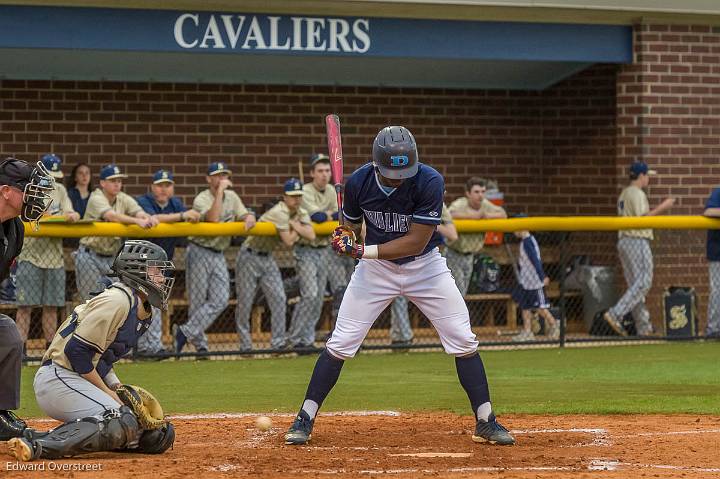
(545, 223)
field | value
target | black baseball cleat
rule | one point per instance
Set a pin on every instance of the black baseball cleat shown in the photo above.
(614, 324)
(301, 430)
(10, 425)
(493, 432)
(180, 339)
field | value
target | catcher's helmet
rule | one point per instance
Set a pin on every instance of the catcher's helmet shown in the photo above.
(144, 266)
(395, 153)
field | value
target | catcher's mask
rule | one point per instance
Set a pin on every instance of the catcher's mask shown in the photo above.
(35, 183)
(144, 266)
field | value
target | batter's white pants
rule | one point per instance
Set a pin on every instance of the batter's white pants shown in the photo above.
(427, 282)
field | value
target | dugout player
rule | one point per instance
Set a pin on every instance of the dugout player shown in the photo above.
(314, 258)
(256, 264)
(25, 192)
(474, 206)
(41, 267)
(712, 209)
(76, 383)
(529, 294)
(108, 203)
(635, 253)
(162, 203)
(400, 201)
(206, 270)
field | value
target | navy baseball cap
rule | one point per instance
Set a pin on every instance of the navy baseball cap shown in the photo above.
(641, 168)
(163, 176)
(218, 167)
(110, 172)
(318, 157)
(52, 163)
(293, 187)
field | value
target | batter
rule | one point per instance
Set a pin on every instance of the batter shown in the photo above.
(400, 200)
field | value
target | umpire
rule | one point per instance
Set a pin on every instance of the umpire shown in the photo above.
(24, 190)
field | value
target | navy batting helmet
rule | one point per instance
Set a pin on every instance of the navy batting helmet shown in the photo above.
(395, 153)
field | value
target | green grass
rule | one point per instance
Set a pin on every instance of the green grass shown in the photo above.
(667, 378)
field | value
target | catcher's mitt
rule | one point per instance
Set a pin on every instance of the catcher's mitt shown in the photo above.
(144, 405)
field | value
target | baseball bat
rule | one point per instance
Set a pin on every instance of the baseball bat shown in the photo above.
(300, 171)
(332, 127)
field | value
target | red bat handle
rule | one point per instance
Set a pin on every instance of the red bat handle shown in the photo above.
(332, 127)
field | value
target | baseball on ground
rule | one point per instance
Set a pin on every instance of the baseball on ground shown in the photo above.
(263, 423)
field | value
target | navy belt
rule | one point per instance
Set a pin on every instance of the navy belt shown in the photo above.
(206, 247)
(259, 253)
(89, 250)
(47, 362)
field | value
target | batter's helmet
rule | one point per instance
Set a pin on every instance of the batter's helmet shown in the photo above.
(143, 265)
(395, 153)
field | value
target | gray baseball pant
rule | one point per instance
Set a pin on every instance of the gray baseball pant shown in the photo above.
(312, 266)
(151, 341)
(713, 314)
(400, 329)
(90, 270)
(461, 268)
(11, 352)
(251, 269)
(208, 284)
(66, 396)
(637, 262)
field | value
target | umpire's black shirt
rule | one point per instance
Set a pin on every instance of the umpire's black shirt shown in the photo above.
(13, 234)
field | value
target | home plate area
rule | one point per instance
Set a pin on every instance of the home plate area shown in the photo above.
(385, 443)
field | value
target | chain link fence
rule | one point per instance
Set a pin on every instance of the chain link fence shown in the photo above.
(650, 288)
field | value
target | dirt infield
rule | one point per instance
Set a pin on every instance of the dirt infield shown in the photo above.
(412, 445)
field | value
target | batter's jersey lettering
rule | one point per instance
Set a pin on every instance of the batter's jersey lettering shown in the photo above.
(389, 212)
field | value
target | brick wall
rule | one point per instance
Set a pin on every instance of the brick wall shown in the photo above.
(669, 116)
(561, 151)
(537, 145)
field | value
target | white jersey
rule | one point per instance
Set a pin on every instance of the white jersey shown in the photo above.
(529, 264)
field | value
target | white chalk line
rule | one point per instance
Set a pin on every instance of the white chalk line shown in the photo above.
(601, 438)
(595, 465)
(243, 415)
(614, 465)
(672, 433)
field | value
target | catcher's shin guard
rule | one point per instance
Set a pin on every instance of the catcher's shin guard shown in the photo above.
(116, 429)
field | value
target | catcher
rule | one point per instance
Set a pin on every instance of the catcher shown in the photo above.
(76, 383)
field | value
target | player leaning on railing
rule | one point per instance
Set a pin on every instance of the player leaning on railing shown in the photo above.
(400, 200)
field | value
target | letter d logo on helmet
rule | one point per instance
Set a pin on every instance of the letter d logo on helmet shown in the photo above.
(395, 153)
(399, 160)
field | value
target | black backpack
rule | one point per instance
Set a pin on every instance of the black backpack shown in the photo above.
(485, 277)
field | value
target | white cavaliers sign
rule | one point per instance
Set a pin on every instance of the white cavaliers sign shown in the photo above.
(260, 32)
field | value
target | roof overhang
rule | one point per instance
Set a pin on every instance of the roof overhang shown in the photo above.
(241, 47)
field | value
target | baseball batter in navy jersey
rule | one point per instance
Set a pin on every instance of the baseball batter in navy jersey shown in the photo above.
(400, 201)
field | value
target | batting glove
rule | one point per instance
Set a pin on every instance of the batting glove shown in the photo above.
(345, 243)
